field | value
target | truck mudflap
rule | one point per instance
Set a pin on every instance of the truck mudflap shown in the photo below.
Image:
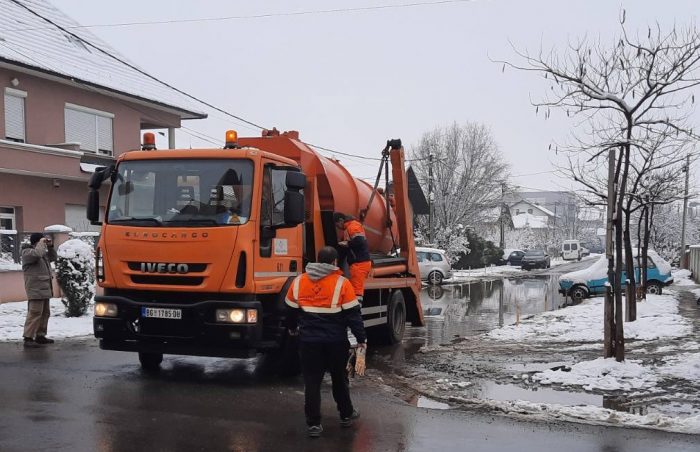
(186, 328)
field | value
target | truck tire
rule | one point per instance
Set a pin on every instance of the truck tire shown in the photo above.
(150, 362)
(393, 330)
(284, 362)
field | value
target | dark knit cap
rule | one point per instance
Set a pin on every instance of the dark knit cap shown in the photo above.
(35, 237)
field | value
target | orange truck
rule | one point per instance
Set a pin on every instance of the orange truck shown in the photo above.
(199, 246)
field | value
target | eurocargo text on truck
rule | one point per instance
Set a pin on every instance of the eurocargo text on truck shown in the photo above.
(199, 246)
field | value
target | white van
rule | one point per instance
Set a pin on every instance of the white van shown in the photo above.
(570, 250)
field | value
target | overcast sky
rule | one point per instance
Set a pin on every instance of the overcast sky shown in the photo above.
(350, 80)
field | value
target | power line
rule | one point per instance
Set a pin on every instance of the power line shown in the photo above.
(129, 65)
(213, 107)
(263, 15)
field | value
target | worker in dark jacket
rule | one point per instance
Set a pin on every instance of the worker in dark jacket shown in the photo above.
(323, 306)
(36, 265)
(357, 254)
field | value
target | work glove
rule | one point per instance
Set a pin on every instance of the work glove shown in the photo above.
(360, 359)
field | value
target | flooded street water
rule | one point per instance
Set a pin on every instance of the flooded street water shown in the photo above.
(477, 307)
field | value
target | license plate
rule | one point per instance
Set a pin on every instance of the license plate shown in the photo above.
(161, 313)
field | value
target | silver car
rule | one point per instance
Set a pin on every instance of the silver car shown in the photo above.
(433, 265)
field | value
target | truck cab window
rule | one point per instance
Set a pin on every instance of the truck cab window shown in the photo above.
(187, 193)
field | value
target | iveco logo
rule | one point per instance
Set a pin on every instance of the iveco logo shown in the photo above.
(155, 267)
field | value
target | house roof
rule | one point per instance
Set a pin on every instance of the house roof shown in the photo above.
(523, 220)
(537, 206)
(29, 41)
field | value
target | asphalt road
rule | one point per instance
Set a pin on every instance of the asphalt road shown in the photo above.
(73, 396)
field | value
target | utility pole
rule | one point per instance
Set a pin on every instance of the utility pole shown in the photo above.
(430, 198)
(685, 210)
(502, 243)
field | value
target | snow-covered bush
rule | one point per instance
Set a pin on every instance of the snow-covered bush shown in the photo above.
(75, 269)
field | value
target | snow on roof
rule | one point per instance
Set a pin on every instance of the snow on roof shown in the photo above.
(30, 41)
(527, 219)
(537, 206)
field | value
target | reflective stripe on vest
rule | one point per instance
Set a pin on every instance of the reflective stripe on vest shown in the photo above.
(336, 292)
(295, 288)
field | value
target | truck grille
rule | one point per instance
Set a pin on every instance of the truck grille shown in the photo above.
(166, 280)
(193, 268)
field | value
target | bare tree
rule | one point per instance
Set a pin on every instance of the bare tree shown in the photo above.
(468, 171)
(626, 97)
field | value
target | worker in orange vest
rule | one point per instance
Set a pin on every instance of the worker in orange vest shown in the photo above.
(358, 256)
(323, 306)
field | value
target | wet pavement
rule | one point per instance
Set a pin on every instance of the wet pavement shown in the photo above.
(74, 397)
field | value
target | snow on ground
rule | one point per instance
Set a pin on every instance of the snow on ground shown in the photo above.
(601, 373)
(6, 264)
(587, 414)
(657, 317)
(12, 316)
(685, 366)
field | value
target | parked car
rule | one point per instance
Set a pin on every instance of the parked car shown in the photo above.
(512, 257)
(585, 251)
(571, 250)
(535, 259)
(433, 265)
(592, 280)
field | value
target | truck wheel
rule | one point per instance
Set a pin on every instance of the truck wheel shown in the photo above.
(435, 277)
(396, 319)
(578, 293)
(654, 288)
(150, 362)
(284, 361)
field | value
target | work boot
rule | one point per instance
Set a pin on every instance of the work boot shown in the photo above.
(347, 421)
(43, 340)
(314, 431)
(29, 342)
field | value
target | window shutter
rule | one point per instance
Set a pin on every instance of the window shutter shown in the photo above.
(80, 128)
(104, 135)
(14, 117)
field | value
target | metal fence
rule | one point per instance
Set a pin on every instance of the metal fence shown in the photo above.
(694, 262)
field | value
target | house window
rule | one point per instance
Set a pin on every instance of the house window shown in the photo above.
(529, 211)
(91, 128)
(517, 211)
(14, 114)
(7, 218)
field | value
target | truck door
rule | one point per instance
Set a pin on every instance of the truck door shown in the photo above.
(280, 246)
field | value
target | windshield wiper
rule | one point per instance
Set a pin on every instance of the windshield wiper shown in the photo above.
(126, 219)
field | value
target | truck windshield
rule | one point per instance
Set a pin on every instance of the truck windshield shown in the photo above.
(168, 193)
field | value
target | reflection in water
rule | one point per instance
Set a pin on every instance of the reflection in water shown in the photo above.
(474, 308)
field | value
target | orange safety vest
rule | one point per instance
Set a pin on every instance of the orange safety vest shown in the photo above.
(354, 228)
(328, 295)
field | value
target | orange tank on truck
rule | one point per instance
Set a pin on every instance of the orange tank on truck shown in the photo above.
(199, 246)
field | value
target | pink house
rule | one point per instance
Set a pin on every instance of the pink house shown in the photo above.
(68, 103)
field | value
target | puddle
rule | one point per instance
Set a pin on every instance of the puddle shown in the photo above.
(508, 392)
(473, 308)
(421, 401)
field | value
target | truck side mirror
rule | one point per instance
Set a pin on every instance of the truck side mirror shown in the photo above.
(293, 208)
(93, 207)
(295, 180)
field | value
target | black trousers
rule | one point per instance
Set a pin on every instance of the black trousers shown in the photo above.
(316, 358)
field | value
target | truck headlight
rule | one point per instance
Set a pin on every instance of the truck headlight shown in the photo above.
(237, 315)
(105, 309)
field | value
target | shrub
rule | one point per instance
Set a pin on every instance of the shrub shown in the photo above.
(75, 269)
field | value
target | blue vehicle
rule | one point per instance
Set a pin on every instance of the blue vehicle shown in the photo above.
(592, 280)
